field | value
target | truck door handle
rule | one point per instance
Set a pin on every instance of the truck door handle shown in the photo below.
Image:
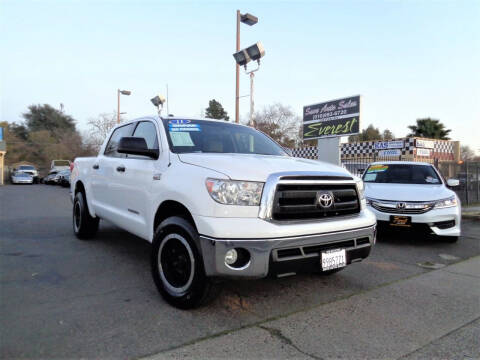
(95, 166)
(121, 168)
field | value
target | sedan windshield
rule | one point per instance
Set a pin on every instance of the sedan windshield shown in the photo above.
(198, 136)
(26, 167)
(401, 174)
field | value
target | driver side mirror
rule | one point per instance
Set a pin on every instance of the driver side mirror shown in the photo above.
(136, 146)
(453, 182)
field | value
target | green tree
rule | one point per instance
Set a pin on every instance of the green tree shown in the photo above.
(46, 117)
(368, 134)
(215, 110)
(387, 135)
(429, 128)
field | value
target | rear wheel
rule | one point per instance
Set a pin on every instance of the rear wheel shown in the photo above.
(177, 266)
(84, 225)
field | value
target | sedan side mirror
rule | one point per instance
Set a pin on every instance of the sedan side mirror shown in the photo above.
(453, 182)
(136, 146)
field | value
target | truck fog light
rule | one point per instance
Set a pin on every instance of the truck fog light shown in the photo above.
(231, 256)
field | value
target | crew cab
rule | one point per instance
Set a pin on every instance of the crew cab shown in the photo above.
(218, 199)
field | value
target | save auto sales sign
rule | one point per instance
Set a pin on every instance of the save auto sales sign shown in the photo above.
(331, 119)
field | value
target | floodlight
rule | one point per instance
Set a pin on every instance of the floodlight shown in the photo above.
(256, 51)
(158, 100)
(241, 57)
(248, 19)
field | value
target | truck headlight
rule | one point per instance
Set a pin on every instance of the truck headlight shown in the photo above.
(445, 203)
(360, 189)
(232, 192)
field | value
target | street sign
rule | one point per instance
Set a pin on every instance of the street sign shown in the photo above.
(334, 118)
(1, 133)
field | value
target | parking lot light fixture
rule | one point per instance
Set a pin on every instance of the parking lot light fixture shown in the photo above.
(248, 19)
(241, 57)
(256, 51)
(121, 92)
(158, 102)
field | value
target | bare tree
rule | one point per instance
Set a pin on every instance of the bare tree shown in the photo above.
(466, 153)
(99, 128)
(280, 123)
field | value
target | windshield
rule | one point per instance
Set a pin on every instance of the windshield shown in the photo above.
(21, 174)
(199, 136)
(26, 167)
(61, 163)
(401, 174)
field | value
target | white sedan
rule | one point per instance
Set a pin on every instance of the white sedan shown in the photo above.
(414, 196)
(21, 178)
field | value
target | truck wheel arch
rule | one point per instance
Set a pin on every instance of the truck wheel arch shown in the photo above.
(79, 187)
(170, 208)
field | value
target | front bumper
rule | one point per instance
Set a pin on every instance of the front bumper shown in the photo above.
(267, 257)
(429, 220)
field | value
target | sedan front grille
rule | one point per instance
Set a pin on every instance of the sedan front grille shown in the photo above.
(402, 207)
(302, 201)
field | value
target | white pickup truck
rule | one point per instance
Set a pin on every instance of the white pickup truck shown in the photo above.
(217, 199)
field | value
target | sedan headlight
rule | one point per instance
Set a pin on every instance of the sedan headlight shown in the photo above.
(360, 189)
(445, 203)
(231, 192)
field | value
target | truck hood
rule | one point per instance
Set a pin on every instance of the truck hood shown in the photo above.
(253, 167)
(407, 192)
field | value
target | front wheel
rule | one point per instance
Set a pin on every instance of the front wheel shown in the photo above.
(84, 225)
(177, 267)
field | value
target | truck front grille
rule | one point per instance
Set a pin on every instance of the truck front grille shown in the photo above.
(302, 201)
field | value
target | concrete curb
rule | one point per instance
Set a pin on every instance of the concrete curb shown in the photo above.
(471, 216)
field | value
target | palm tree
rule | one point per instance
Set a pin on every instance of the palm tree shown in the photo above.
(429, 128)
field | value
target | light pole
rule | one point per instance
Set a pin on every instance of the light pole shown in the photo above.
(242, 57)
(120, 92)
(250, 20)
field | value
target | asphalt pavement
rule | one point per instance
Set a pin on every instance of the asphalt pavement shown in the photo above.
(65, 298)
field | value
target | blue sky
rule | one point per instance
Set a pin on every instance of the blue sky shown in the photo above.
(408, 59)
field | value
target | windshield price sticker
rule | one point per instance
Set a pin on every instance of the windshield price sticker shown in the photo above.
(377, 168)
(181, 139)
(184, 127)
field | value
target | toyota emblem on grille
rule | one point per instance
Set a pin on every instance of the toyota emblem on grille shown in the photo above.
(401, 205)
(325, 200)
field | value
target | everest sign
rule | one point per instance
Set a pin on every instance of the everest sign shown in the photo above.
(332, 119)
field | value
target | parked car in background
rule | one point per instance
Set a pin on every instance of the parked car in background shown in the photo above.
(414, 196)
(59, 165)
(19, 177)
(50, 178)
(64, 178)
(28, 169)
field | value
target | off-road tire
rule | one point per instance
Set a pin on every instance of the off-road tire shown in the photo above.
(177, 265)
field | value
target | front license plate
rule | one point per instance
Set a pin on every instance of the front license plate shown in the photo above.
(396, 220)
(333, 259)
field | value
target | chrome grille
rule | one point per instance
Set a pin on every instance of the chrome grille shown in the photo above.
(407, 207)
(301, 201)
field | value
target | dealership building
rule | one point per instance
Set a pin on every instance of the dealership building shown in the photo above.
(406, 149)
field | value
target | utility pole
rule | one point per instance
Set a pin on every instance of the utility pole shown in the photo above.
(237, 73)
